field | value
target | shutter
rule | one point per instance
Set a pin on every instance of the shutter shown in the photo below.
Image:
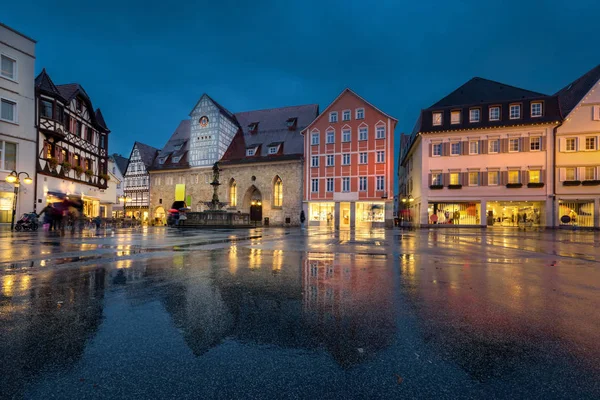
(503, 145)
(524, 177)
(581, 174)
(56, 152)
(430, 179)
(596, 113)
(45, 150)
(430, 150)
(60, 155)
(483, 178)
(71, 158)
(446, 178)
(483, 146)
(543, 176)
(465, 179)
(464, 147)
(561, 144)
(526, 146)
(503, 178)
(562, 174)
(543, 143)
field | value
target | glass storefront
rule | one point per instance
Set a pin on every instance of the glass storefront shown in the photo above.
(466, 213)
(370, 212)
(576, 213)
(515, 213)
(6, 204)
(321, 212)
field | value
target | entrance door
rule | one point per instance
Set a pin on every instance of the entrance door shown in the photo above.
(345, 215)
(256, 212)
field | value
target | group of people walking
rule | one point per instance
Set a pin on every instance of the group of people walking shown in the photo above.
(59, 215)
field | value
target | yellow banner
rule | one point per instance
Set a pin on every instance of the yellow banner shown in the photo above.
(180, 192)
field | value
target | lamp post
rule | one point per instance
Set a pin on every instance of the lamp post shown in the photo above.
(124, 199)
(406, 201)
(14, 178)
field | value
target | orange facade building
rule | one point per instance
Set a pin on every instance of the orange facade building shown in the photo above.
(349, 165)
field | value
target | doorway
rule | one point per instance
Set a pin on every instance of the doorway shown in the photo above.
(344, 215)
(253, 202)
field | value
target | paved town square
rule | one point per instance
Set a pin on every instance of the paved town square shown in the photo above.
(292, 313)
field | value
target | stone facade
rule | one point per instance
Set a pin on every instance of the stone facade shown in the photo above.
(198, 188)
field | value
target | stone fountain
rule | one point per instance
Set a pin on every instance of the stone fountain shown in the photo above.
(215, 216)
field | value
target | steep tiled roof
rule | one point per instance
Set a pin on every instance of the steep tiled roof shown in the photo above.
(45, 84)
(272, 128)
(121, 162)
(100, 119)
(177, 146)
(573, 93)
(480, 90)
(70, 90)
(147, 153)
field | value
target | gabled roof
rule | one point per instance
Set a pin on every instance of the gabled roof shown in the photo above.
(100, 119)
(347, 90)
(574, 92)
(272, 128)
(147, 153)
(70, 90)
(45, 84)
(480, 90)
(181, 137)
(121, 162)
(225, 112)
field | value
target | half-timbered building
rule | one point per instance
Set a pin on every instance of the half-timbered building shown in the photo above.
(137, 181)
(72, 148)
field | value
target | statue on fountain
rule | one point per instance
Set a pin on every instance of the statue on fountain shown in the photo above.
(215, 204)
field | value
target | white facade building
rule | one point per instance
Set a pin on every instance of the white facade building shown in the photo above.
(17, 126)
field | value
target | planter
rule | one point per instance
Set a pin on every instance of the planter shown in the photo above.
(571, 183)
(53, 163)
(66, 167)
(454, 186)
(514, 185)
(89, 173)
(591, 183)
(78, 170)
(436, 187)
(535, 184)
(104, 177)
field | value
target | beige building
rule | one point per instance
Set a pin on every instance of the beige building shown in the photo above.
(17, 125)
(578, 153)
(260, 155)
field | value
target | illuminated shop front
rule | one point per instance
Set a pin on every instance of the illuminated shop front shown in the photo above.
(455, 213)
(576, 213)
(6, 203)
(370, 213)
(515, 213)
(321, 213)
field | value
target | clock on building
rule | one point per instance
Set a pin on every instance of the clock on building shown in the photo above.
(204, 121)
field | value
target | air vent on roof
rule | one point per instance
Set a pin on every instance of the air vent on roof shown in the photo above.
(292, 123)
(253, 127)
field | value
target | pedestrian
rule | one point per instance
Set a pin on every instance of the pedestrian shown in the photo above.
(49, 213)
(97, 222)
(302, 219)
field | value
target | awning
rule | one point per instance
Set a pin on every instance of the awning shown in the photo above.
(59, 195)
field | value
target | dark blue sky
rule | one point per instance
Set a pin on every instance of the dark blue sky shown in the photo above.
(146, 63)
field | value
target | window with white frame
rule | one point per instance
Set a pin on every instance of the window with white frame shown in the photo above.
(436, 178)
(571, 174)
(362, 184)
(346, 135)
(455, 148)
(314, 161)
(437, 119)
(590, 143)
(345, 159)
(360, 113)
(330, 160)
(493, 178)
(513, 145)
(455, 117)
(333, 116)
(437, 150)
(536, 109)
(570, 144)
(329, 185)
(493, 146)
(514, 176)
(363, 133)
(494, 113)
(474, 115)
(590, 173)
(535, 143)
(8, 110)
(345, 184)
(515, 111)
(251, 152)
(8, 67)
(8, 156)
(380, 132)
(273, 149)
(330, 137)
(314, 185)
(346, 115)
(474, 147)
(380, 183)
(473, 178)
(535, 176)
(314, 138)
(455, 178)
(381, 156)
(363, 158)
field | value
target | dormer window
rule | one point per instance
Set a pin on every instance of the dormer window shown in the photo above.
(474, 115)
(273, 149)
(515, 111)
(176, 159)
(437, 119)
(333, 116)
(536, 109)
(495, 113)
(292, 123)
(161, 160)
(253, 127)
(251, 151)
(455, 117)
(177, 147)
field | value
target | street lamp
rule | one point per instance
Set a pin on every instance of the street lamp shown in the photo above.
(406, 201)
(14, 177)
(124, 199)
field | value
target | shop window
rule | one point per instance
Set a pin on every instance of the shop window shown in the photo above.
(576, 213)
(455, 213)
(321, 211)
(370, 212)
(514, 213)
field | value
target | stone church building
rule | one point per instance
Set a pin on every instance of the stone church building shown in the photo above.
(260, 154)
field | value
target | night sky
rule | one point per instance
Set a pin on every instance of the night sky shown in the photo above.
(145, 63)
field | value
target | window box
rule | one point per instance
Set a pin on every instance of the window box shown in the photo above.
(454, 186)
(436, 187)
(595, 182)
(514, 185)
(571, 183)
(535, 184)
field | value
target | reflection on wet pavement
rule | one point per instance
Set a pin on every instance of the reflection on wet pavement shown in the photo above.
(284, 314)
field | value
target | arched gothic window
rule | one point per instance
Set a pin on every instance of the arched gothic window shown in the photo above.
(277, 192)
(232, 193)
